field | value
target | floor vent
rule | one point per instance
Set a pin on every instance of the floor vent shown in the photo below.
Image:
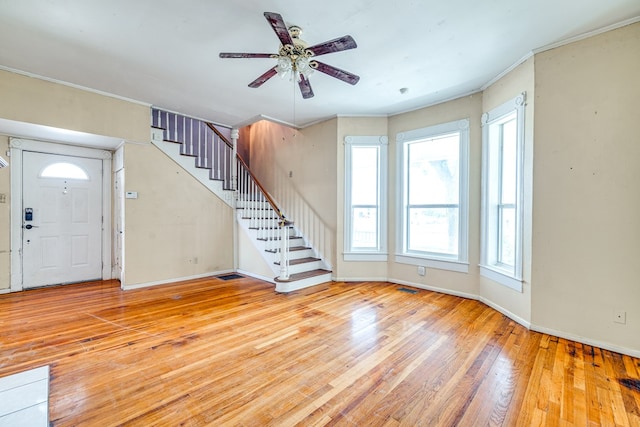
(407, 290)
(230, 277)
(630, 383)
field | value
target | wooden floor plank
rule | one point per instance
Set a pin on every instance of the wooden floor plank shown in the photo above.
(215, 352)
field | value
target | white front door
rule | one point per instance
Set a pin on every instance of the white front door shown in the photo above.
(61, 219)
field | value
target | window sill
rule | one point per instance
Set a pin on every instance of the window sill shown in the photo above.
(363, 256)
(457, 266)
(501, 278)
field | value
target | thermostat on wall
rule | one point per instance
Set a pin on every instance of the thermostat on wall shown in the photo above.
(131, 195)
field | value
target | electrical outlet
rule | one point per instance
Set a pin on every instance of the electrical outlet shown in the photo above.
(3, 198)
(620, 316)
(421, 270)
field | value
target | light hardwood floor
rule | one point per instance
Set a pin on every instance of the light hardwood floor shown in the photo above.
(214, 352)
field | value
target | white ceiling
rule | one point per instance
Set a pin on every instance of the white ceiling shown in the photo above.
(165, 52)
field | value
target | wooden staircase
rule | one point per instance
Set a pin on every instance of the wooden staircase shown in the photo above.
(204, 151)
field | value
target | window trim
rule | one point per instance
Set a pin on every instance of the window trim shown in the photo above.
(380, 142)
(457, 263)
(509, 277)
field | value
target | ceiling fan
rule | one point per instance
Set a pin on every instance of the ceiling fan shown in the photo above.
(296, 59)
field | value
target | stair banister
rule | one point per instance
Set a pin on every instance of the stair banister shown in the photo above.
(263, 190)
(250, 185)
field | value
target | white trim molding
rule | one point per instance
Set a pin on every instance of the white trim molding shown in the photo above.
(435, 289)
(366, 257)
(403, 140)
(17, 146)
(441, 264)
(587, 341)
(379, 253)
(174, 280)
(492, 266)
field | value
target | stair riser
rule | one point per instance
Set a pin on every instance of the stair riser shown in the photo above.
(301, 284)
(303, 268)
(307, 253)
(244, 204)
(258, 223)
(271, 235)
(275, 244)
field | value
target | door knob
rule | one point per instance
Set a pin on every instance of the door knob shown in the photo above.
(29, 226)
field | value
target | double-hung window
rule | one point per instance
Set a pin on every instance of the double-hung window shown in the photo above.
(432, 207)
(365, 198)
(502, 184)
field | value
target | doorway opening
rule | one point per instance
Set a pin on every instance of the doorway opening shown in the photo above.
(60, 214)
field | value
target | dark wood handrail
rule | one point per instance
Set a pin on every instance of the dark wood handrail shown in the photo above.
(220, 135)
(283, 221)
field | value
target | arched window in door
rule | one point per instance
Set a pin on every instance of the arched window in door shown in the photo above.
(64, 170)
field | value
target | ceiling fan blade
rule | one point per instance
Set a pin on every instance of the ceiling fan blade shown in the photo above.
(278, 25)
(305, 87)
(245, 55)
(345, 76)
(263, 78)
(335, 45)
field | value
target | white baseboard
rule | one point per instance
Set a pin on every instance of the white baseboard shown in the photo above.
(5, 291)
(174, 280)
(359, 279)
(587, 341)
(506, 312)
(257, 276)
(434, 289)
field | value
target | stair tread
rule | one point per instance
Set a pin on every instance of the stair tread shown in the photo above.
(305, 275)
(277, 238)
(300, 261)
(291, 249)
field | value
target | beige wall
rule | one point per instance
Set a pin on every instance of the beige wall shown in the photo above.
(176, 227)
(519, 80)
(299, 169)
(354, 270)
(586, 230)
(469, 107)
(31, 100)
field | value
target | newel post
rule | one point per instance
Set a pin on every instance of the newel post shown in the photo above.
(284, 249)
(234, 164)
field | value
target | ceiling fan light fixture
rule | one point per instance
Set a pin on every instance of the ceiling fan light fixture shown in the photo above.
(304, 66)
(284, 66)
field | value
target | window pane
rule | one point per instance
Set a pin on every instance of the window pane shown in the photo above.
(433, 230)
(364, 228)
(508, 178)
(433, 175)
(507, 248)
(364, 178)
(64, 170)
